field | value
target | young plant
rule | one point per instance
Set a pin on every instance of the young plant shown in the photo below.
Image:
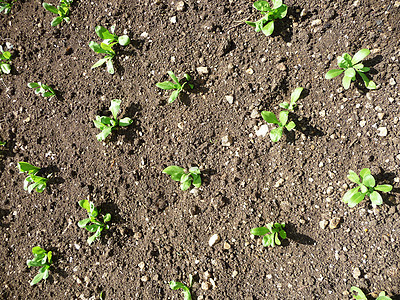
(33, 181)
(186, 290)
(293, 99)
(367, 187)
(109, 40)
(351, 67)
(2, 144)
(6, 6)
(167, 85)
(185, 178)
(106, 124)
(361, 296)
(61, 10)
(270, 14)
(42, 89)
(96, 226)
(271, 233)
(42, 259)
(5, 57)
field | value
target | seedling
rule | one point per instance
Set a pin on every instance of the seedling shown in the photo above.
(3, 144)
(368, 188)
(61, 10)
(361, 296)
(42, 89)
(271, 233)
(109, 40)
(186, 290)
(293, 99)
(42, 258)
(6, 6)
(106, 124)
(96, 226)
(5, 57)
(184, 177)
(351, 67)
(33, 181)
(276, 133)
(270, 14)
(167, 85)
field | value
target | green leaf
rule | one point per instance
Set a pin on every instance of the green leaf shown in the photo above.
(50, 8)
(284, 105)
(187, 77)
(376, 198)
(333, 73)
(252, 24)
(25, 167)
(115, 107)
(268, 240)
(33, 85)
(173, 96)
(269, 117)
(277, 241)
(5, 68)
(276, 134)
(107, 218)
(346, 81)
(276, 3)
(47, 94)
(384, 188)
(110, 66)
(283, 117)
(269, 28)
(104, 34)
(369, 181)
(96, 47)
(350, 72)
(124, 40)
(6, 55)
(174, 78)
(355, 199)
(38, 250)
(365, 172)
(166, 85)
(280, 12)
(196, 180)
(360, 55)
(37, 278)
(99, 63)
(85, 204)
(364, 189)
(91, 239)
(295, 96)
(360, 295)
(125, 122)
(185, 177)
(282, 233)
(382, 296)
(178, 285)
(369, 84)
(262, 5)
(83, 223)
(259, 231)
(104, 134)
(56, 21)
(349, 194)
(92, 227)
(352, 176)
(175, 172)
(186, 184)
(194, 170)
(290, 126)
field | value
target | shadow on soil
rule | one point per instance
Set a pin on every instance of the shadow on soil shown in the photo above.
(297, 237)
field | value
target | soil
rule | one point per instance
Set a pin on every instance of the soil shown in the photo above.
(159, 233)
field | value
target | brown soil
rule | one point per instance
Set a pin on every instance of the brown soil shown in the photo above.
(153, 221)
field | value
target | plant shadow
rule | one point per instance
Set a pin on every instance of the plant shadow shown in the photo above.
(298, 237)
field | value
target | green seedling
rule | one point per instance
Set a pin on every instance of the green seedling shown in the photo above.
(106, 124)
(271, 233)
(61, 10)
(361, 296)
(3, 144)
(186, 290)
(270, 14)
(33, 181)
(367, 187)
(5, 58)
(167, 85)
(42, 89)
(42, 259)
(109, 40)
(185, 178)
(6, 6)
(96, 226)
(293, 99)
(351, 67)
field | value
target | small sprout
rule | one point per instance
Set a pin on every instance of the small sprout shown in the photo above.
(361, 296)
(266, 23)
(6, 6)
(61, 10)
(351, 67)
(368, 188)
(293, 99)
(186, 290)
(167, 85)
(42, 89)
(105, 47)
(271, 233)
(185, 178)
(106, 124)
(96, 226)
(42, 259)
(5, 57)
(33, 181)
(3, 144)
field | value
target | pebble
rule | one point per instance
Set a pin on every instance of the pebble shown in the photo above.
(356, 273)
(392, 81)
(206, 275)
(205, 286)
(141, 265)
(254, 114)
(226, 141)
(250, 71)
(322, 113)
(279, 182)
(381, 116)
(397, 4)
(202, 70)
(234, 273)
(362, 123)
(281, 67)
(213, 240)
(334, 223)
(382, 131)
(262, 131)
(323, 224)
(329, 190)
(316, 22)
(229, 98)
(227, 246)
(145, 278)
(180, 6)
(173, 19)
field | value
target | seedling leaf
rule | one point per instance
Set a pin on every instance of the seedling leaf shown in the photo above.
(276, 134)
(269, 117)
(384, 188)
(360, 55)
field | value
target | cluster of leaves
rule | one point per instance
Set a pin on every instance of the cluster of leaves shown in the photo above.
(6, 6)
(270, 14)
(271, 233)
(185, 178)
(276, 133)
(185, 289)
(107, 124)
(5, 57)
(33, 181)
(42, 89)
(367, 187)
(96, 226)
(351, 67)
(2, 144)
(61, 10)
(361, 296)
(167, 85)
(41, 258)
(105, 47)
